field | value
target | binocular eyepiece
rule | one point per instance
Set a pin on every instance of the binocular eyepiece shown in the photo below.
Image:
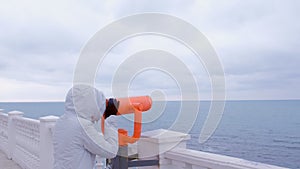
(121, 106)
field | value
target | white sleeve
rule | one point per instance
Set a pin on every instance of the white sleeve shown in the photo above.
(106, 145)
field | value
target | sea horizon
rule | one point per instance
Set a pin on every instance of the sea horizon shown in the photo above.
(59, 101)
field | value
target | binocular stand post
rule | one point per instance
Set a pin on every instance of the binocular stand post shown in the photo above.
(123, 161)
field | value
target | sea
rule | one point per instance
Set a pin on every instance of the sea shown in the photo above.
(266, 131)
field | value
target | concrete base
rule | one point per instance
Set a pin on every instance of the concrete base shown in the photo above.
(6, 163)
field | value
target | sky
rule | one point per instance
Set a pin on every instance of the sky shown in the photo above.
(257, 43)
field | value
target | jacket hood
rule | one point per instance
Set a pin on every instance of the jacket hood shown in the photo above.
(85, 101)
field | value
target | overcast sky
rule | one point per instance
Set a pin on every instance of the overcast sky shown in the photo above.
(258, 44)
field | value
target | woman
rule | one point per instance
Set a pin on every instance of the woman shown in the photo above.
(76, 139)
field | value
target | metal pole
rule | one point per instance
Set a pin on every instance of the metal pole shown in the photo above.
(121, 160)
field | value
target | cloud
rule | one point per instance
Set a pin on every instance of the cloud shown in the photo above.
(257, 42)
(19, 91)
(40, 43)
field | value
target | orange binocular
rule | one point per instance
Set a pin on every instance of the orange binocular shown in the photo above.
(129, 105)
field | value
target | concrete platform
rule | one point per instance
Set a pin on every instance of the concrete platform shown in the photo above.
(6, 163)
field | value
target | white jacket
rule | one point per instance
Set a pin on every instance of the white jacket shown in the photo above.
(76, 139)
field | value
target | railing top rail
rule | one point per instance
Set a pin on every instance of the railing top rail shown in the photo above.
(3, 115)
(25, 119)
(211, 160)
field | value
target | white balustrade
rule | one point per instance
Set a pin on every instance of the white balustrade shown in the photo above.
(154, 144)
(46, 147)
(3, 132)
(192, 159)
(170, 149)
(12, 132)
(27, 141)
